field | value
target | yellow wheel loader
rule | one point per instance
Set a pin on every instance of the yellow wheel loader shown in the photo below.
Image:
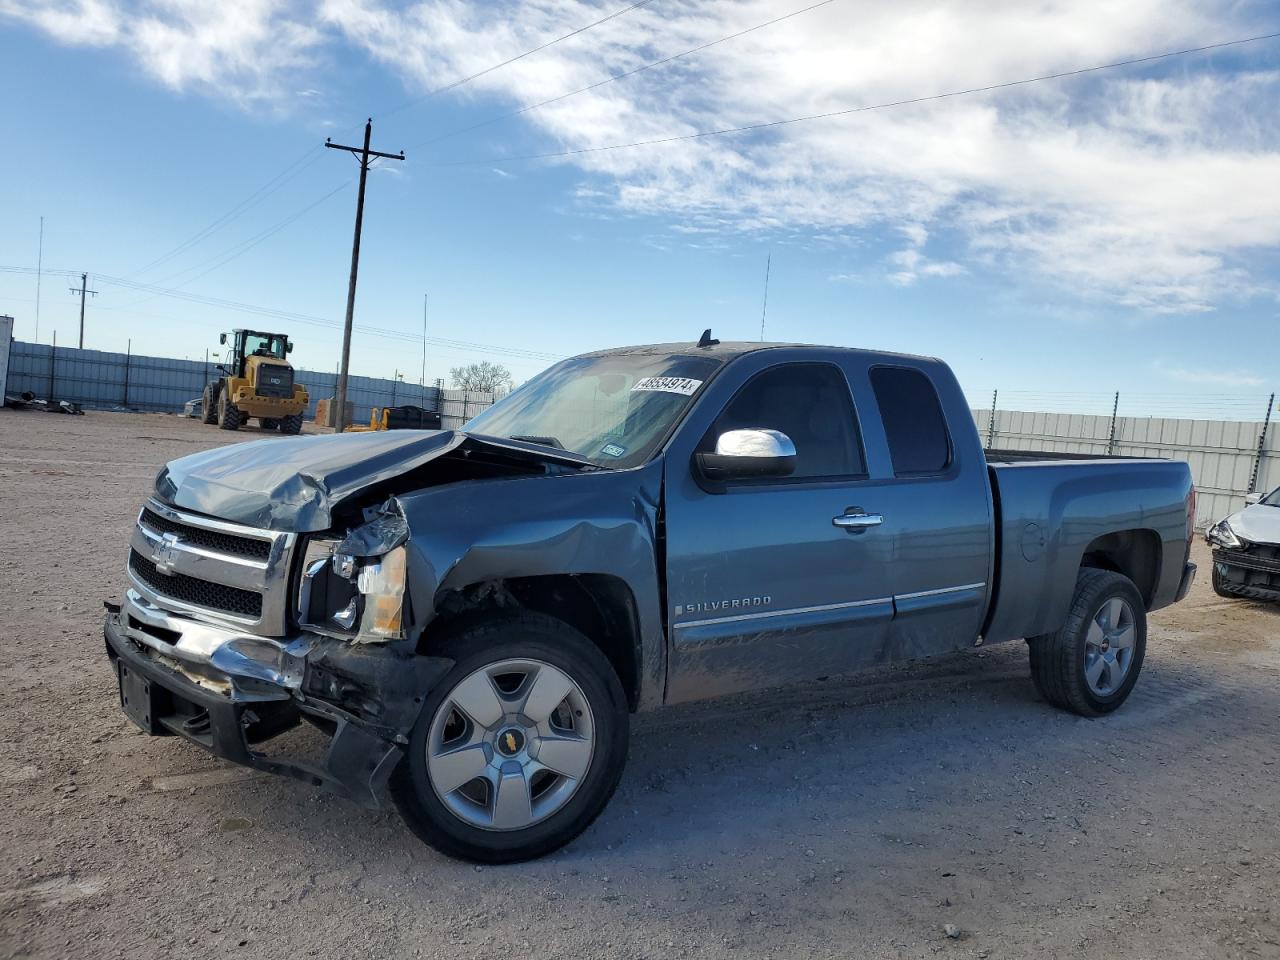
(258, 382)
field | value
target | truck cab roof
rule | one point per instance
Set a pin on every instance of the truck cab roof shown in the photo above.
(726, 350)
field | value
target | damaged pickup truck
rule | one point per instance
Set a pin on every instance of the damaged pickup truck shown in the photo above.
(470, 617)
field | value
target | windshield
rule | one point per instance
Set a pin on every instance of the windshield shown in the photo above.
(613, 410)
(263, 345)
(1272, 499)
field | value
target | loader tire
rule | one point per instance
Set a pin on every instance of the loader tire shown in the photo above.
(229, 415)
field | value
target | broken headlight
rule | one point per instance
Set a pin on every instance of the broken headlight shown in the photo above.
(355, 586)
(1221, 535)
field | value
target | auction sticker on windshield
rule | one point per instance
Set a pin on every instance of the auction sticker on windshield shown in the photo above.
(681, 385)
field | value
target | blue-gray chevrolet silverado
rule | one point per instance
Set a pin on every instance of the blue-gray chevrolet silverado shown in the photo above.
(470, 617)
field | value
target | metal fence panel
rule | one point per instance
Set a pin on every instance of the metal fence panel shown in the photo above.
(114, 381)
(1221, 454)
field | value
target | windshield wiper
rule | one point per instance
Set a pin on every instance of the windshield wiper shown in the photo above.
(540, 441)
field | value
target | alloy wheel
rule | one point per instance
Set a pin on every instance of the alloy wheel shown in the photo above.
(1109, 646)
(510, 744)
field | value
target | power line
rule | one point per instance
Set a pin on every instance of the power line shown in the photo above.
(292, 317)
(295, 168)
(237, 250)
(268, 188)
(453, 85)
(244, 246)
(769, 124)
(621, 76)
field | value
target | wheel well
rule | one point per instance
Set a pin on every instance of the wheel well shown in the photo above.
(1134, 553)
(598, 606)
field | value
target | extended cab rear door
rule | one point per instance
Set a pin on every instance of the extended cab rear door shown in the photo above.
(929, 485)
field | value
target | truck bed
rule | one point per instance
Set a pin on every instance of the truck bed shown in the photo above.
(1046, 456)
(1055, 511)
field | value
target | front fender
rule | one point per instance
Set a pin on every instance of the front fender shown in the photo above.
(601, 522)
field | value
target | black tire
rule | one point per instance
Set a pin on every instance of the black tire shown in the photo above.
(292, 424)
(528, 636)
(209, 404)
(268, 423)
(1058, 660)
(229, 415)
(1220, 586)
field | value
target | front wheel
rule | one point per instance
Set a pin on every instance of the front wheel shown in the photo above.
(229, 415)
(519, 747)
(1220, 586)
(1089, 666)
(292, 424)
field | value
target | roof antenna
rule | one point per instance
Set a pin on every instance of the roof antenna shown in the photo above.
(707, 340)
(764, 309)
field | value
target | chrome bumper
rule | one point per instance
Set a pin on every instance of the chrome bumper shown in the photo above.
(242, 666)
(223, 688)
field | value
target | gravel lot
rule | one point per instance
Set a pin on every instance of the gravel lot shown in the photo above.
(852, 818)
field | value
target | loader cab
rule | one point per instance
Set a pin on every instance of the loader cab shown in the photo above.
(253, 343)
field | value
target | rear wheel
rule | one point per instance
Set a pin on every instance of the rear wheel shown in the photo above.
(292, 424)
(519, 747)
(229, 415)
(1090, 665)
(209, 404)
(268, 423)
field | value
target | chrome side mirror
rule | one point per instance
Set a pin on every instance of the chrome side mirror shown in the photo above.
(748, 455)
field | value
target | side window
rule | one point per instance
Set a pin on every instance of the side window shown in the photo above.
(810, 403)
(913, 420)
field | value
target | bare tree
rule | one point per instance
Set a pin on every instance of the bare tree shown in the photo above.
(482, 377)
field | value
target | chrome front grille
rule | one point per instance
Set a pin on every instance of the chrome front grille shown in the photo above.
(200, 593)
(212, 569)
(210, 539)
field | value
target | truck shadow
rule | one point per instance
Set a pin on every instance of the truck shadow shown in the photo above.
(888, 751)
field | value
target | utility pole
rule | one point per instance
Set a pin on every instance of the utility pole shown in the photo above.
(84, 280)
(1111, 438)
(425, 296)
(1262, 445)
(362, 154)
(39, 271)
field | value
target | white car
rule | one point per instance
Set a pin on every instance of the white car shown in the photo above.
(1246, 550)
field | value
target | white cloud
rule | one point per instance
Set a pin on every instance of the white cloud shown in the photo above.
(1138, 189)
(244, 50)
(1147, 187)
(1208, 376)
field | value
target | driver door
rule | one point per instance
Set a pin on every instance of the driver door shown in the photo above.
(763, 587)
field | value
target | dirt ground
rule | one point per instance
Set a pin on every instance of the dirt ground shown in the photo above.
(852, 818)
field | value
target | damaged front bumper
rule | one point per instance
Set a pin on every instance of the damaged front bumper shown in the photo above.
(228, 691)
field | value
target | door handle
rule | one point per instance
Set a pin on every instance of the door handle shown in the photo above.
(858, 521)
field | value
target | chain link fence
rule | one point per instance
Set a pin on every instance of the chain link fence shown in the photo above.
(1229, 458)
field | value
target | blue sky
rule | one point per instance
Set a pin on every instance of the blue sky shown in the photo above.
(1059, 241)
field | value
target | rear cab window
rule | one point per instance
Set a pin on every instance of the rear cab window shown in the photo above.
(914, 425)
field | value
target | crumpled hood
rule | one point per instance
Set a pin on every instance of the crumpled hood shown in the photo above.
(1259, 523)
(293, 483)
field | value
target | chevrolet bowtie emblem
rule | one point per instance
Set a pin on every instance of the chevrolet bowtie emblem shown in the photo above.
(163, 552)
(510, 741)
